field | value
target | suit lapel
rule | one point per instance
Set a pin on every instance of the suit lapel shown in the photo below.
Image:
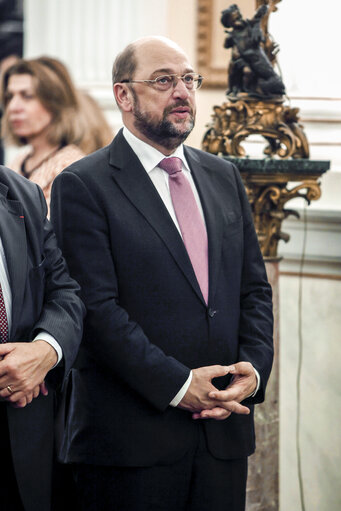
(135, 183)
(204, 182)
(13, 236)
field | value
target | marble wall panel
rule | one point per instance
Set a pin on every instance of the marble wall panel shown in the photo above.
(320, 392)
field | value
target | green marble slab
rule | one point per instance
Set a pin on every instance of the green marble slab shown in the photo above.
(272, 165)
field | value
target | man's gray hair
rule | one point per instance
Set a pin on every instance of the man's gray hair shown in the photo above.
(125, 65)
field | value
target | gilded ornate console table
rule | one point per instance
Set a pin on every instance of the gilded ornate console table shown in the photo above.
(270, 184)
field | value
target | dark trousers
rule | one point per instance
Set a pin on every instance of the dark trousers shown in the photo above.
(9, 493)
(198, 482)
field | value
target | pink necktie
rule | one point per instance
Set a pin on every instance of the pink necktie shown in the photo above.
(3, 319)
(190, 221)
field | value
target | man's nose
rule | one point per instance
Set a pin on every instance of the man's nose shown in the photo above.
(180, 90)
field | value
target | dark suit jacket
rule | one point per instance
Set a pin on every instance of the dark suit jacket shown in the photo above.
(147, 323)
(43, 298)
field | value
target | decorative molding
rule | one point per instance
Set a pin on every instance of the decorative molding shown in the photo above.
(214, 76)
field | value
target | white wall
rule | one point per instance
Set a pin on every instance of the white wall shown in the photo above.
(87, 34)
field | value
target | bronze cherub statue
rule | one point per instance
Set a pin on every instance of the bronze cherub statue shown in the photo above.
(250, 70)
(256, 94)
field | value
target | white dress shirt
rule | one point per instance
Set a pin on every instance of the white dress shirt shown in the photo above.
(150, 158)
(7, 295)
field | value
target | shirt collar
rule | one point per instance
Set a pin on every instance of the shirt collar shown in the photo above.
(148, 155)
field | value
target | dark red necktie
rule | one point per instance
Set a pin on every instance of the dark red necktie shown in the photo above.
(190, 221)
(3, 319)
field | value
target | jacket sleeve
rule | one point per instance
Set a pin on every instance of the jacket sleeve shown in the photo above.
(62, 311)
(112, 340)
(256, 318)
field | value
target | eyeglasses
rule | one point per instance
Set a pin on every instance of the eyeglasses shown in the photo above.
(192, 81)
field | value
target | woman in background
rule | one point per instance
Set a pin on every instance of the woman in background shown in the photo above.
(42, 109)
(96, 132)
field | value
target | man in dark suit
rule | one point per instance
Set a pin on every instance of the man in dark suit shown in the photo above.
(171, 304)
(40, 330)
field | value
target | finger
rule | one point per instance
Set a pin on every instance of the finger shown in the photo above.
(235, 407)
(43, 389)
(217, 371)
(16, 396)
(36, 391)
(7, 390)
(244, 368)
(4, 379)
(29, 397)
(10, 373)
(215, 413)
(230, 394)
(240, 387)
(223, 395)
(211, 413)
(6, 348)
(21, 403)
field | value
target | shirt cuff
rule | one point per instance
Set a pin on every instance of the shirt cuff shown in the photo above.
(44, 336)
(258, 384)
(176, 399)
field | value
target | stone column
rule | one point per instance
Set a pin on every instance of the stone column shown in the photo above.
(262, 489)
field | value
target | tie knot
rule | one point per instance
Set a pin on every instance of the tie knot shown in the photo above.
(171, 165)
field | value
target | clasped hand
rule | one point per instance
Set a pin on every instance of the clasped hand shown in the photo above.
(23, 367)
(207, 402)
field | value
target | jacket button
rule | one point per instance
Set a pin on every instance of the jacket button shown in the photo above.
(211, 312)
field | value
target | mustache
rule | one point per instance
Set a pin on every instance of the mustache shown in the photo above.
(180, 102)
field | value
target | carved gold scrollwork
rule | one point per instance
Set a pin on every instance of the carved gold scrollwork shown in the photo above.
(236, 119)
(267, 202)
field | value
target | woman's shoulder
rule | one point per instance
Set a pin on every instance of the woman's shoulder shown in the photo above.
(69, 154)
(65, 156)
(17, 160)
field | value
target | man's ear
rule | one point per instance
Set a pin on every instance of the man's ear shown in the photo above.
(123, 96)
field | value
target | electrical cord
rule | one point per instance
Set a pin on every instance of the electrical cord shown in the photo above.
(300, 361)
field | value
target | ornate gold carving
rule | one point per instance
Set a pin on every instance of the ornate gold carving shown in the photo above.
(235, 120)
(268, 195)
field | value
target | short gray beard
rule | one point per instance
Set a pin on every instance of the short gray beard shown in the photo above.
(162, 132)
